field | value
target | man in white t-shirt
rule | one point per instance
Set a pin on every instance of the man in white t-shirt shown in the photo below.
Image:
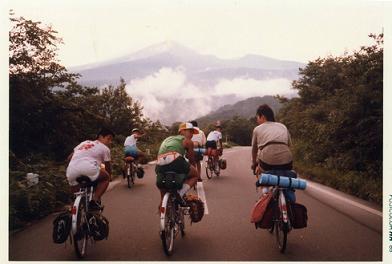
(199, 140)
(86, 160)
(130, 145)
(270, 143)
(214, 139)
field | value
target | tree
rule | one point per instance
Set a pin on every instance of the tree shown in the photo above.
(336, 121)
(33, 72)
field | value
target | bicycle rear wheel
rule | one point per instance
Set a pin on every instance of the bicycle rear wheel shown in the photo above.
(281, 229)
(129, 175)
(168, 218)
(217, 169)
(80, 238)
(208, 168)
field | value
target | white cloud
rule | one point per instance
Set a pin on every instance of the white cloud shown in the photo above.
(168, 96)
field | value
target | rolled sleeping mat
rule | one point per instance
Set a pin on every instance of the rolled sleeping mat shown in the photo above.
(200, 150)
(282, 181)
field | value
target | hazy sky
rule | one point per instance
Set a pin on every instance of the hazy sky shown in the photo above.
(293, 30)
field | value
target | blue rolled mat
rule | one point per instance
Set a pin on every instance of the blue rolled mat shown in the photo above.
(286, 182)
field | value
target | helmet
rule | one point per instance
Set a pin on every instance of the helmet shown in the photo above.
(135, 130)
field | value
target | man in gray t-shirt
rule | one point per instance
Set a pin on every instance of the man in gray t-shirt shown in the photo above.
(270, 143)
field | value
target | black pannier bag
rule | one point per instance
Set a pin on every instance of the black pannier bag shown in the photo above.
(298, 215)
(61, 227)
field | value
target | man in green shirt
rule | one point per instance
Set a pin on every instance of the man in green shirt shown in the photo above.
(171, 157)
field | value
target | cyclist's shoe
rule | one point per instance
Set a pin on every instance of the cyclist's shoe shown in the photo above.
(200, 180)
(181, 200)
(94, 205)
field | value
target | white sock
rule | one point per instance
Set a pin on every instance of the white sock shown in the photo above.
(184, 189)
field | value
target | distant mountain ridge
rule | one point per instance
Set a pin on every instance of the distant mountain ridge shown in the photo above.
(246, 108)
(200, 69)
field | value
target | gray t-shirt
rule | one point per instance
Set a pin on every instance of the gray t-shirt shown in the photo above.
(267, 137)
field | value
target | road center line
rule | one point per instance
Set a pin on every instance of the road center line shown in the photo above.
(202, 195)
(366, 208)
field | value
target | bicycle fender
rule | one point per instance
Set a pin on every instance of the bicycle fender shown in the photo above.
(164, 205)
(75, 216)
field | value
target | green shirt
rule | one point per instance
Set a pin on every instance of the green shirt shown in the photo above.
(173, 143)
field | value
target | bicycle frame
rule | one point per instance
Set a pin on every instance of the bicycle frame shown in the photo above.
(86, 192)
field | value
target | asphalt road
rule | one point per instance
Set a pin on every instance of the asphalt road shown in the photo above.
(340, 228)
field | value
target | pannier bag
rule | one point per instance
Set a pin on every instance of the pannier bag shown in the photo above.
(170, 180)
(196, 208)
(61, 227)
(287, 182)
(267, 221)
(222, 164)
(298, 215)
(260, 208)
(99, 226)
(140, 173)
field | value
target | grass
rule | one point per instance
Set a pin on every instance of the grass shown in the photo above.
(355, 183)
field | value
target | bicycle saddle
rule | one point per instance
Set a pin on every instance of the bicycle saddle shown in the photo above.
(129, 159)
(85, 181)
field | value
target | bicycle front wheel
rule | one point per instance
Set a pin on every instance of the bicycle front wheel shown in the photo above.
(80, 237)
(167, 224)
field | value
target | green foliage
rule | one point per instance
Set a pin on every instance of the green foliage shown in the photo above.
(50, 113)
(336, 122)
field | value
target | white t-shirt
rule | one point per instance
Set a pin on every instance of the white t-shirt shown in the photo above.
(91, 150)
(214, 136)
(130, 141)
(199, 138)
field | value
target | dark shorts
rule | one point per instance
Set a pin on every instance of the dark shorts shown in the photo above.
(267, 167)
(211, 144)
(179, 166)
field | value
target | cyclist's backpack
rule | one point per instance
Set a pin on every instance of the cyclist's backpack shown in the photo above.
(267, 221)
(99, 226)
(61, 227)
(196, 208)
(260, 207)
(140, 173)
(222, 164)
(298, 215)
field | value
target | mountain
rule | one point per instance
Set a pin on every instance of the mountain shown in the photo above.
(200, 69)
(245, 108)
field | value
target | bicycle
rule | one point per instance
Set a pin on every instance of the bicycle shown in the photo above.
(130, 171)
(280, 219)
(82, 227)
(212, 167)
(171, 216)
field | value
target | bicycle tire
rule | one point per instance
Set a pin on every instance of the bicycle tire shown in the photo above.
(80, 238)
(208, 168)
(167, 234)
(281, 229)
(129, 173)
(217, 172)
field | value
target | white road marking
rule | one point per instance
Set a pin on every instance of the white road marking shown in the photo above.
(112, 184)
(330, 194)
(202, 195)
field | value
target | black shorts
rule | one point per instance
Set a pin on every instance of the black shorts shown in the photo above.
(267, 167)
(179, 165)
(211, 144)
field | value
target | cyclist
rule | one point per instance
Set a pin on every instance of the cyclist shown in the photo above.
(270, 146)
(86, 160)
(214, 139)
(171, 157)
(130, 148)
(199, 140)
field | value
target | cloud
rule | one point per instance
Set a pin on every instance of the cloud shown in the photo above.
(168, 96)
